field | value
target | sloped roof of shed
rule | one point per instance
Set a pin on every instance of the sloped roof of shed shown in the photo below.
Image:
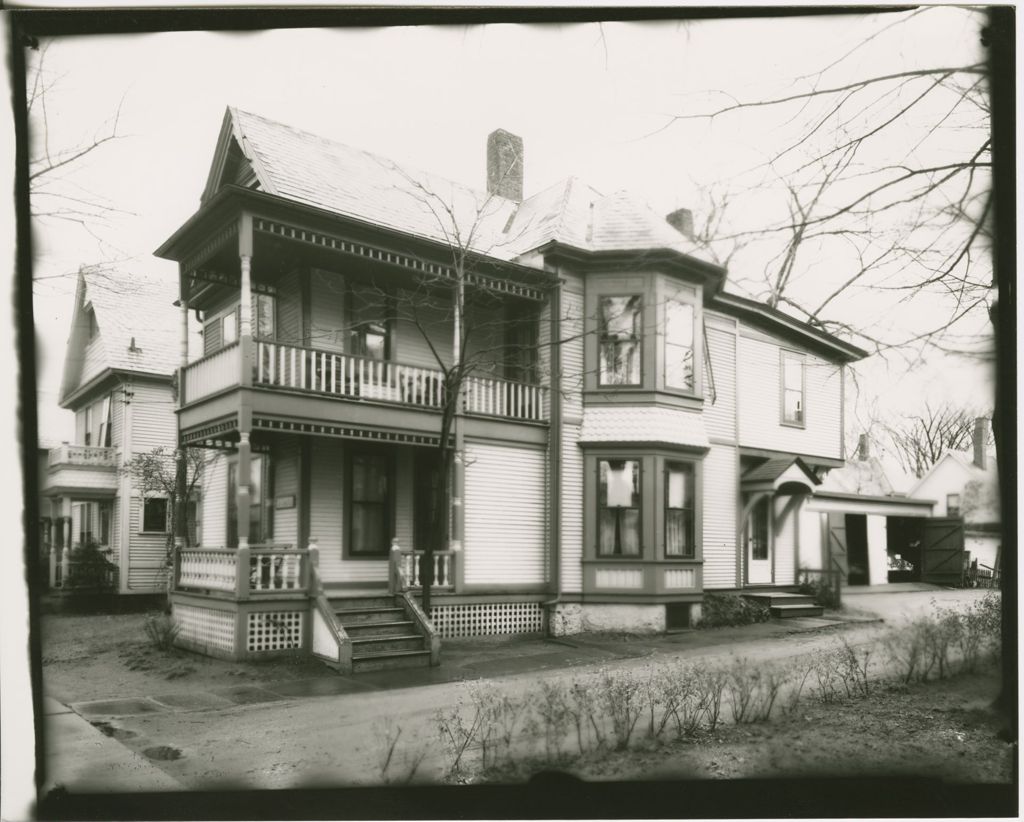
(775, 467)
(323, 173)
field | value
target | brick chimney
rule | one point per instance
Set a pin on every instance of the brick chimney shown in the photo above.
(863, 448)
(980, 442)
(505, 165)
(682, 221)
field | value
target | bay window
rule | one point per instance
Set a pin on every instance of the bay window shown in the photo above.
(679, 510)
(620, 340)
(679, 345)
(619, 507)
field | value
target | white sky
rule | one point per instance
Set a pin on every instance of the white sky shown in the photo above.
(583, 98)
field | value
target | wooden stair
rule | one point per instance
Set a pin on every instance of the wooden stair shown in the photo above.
(786, 605)
(383, 635)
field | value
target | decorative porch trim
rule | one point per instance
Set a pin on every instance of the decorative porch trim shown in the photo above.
(344, 432)
(406, 261)
(209, 432)
(216, 242)
(206, 275)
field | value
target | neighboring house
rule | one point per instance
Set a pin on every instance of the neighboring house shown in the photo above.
(639, 436)
(966, 485)
(121, 355)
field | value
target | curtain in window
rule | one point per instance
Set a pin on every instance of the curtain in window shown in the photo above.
(679, 536)
(619, 507)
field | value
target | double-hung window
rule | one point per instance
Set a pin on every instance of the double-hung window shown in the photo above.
(154, 515)
(619, 507)
(370, 322)
(792, 389)
(679, 510)
(679, 345)
(370, 511)
(620, 338)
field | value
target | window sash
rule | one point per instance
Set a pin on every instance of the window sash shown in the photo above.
(229, 328)
(679, 326)
(620, 340)
(792, 388)
(758, 531)
(619, 508)
(370, 507)
(154, 515)
(679, 510)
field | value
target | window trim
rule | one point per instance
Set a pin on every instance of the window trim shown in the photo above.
(801, 357)
(640, 340)
(954, 510)
(390, 507)
(695, 388)
(167, 514)
(639, 460)
(355, 326)
(667, 464)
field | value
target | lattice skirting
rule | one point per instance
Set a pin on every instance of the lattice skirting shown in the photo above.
(276, 631)
(206, 626)
(487, 619)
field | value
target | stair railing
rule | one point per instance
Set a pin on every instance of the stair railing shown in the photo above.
(329, 641)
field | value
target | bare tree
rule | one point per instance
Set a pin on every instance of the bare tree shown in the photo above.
(919, 441)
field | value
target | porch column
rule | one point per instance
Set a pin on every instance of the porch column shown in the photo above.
(181, 464)
(242, 493)
(245, 345)
(65, 557)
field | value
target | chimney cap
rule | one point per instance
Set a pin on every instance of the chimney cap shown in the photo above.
(505, 164)
(682, 221)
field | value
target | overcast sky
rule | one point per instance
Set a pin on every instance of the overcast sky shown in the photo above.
(587, 101)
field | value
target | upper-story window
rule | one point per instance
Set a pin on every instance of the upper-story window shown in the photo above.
(793, 389)
(91, 325)
(87, 438)
(952, 505)
(618, 503)
(620, 339)
(679, 345)
(370, 322)
(263, 316)
(679, 510)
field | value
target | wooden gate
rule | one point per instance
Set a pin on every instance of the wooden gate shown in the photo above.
(942, 550)
(835, 533)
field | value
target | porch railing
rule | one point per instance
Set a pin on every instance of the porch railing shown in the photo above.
(504, 398)
(213, 373)
(244, 572)
(406, 569)
(90, 455)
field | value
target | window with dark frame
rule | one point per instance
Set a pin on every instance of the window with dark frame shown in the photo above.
(679, 510)
(619, 340)
(154, 515)
(792, 388)
(758, 530)
(370, 523)
(370, 322)
(618, 508)
(679, 323)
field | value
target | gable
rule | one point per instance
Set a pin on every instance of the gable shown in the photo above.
(85, 353)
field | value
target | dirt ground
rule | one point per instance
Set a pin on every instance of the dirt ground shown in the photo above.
(107, 655)
(941, 729)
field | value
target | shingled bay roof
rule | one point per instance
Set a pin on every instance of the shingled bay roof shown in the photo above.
(323, 173)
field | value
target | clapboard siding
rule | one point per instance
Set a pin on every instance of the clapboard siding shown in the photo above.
(153, 422)
(505, 515)
(572, 354)
(117, 418)
(214, 503)
(93, 361)
(147, 553)
(284, 461)
(759, 401)
(719, 514)
(289, 309)
(720, 406)
(327, 310)
(571, 560)
(785, 543)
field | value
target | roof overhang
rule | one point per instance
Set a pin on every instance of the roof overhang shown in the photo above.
(711, 276)
(781, 477)
(771, 319)
(232, 201)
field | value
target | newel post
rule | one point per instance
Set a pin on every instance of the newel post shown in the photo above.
(242, 573)
(313, 583)
(395, 585)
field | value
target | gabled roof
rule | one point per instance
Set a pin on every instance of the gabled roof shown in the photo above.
(868, 477)
(315, 171)
(776, 468)
(128, 307)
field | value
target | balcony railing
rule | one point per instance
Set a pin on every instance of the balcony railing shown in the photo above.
(215, 372)
(92, 456)
(243, 572)
(503, 398)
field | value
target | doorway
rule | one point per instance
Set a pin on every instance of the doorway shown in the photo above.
(759, 543)
(857, 549)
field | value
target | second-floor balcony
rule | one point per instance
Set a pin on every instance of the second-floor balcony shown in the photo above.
(82, 456)
(279, 366)
(82, 469)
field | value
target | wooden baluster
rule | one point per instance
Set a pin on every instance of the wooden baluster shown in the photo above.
(334, 373)
(437, 568)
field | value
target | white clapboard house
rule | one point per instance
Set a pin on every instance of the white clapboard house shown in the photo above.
(629, 437)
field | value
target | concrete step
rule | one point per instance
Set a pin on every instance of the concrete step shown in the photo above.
(779, 598)
(375, 645)
(373, 629)
(796, 610)
(359, 616)
(349, 602)
(387, 661)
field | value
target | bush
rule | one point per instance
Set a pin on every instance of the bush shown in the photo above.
(822, 591)
(162, 630)
(89, 568)
(721, 610)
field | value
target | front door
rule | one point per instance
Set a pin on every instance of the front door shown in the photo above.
(759, 543)
(426, 499)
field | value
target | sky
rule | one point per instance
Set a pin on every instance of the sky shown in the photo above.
(592, 101)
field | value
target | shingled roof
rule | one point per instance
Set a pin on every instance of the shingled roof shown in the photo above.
(323, 173)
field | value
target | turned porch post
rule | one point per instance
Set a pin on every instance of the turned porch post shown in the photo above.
(245, 402)
(181, 464)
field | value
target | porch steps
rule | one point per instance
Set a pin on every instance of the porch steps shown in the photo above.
(786, 605)
(383, 637)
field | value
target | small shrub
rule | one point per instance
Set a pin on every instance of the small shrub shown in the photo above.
(457, 732)
(721, 610)
(551, 717)
(621, 697)
(387, 734)
(826, 679)
(743, 686)
(711, 684)
(582, 707)
(823, 592)
(162, 629)
(852, 669)
(89, 568)
(799, 674)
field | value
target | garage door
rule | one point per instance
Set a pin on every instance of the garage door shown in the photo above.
(942, 551)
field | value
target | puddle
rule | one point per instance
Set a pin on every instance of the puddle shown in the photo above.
(113, 731)
(162, 753)
(117, 707)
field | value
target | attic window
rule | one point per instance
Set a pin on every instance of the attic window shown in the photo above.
(90, 319)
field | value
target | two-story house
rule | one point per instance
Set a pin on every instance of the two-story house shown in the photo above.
(628, 436)
(121, 358)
